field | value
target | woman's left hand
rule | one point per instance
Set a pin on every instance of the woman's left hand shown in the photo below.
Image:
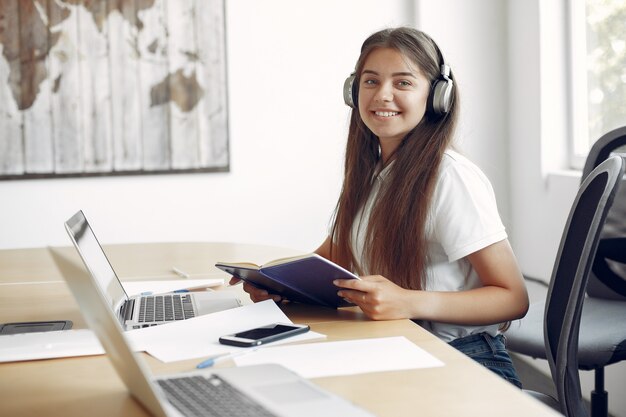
(379, 298)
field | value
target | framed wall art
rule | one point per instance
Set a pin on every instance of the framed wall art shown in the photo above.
(110, 87)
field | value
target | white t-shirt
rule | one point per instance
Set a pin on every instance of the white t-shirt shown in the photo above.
(463, 218)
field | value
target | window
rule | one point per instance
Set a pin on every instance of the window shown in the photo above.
(598, 62)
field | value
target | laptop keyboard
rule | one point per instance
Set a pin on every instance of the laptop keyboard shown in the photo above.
(197, 396)
(170, 307)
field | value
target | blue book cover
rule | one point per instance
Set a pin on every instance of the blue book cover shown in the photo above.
(306, 279)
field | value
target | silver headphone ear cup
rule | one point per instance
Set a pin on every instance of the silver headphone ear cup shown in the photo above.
(348, 93)
(441, 98)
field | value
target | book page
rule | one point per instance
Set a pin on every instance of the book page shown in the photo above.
(288, 259)
(244, 265)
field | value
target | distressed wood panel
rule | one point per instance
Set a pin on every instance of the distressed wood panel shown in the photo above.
(92, 87)
(184, 88)
(95, 86)
(125, 85)
(11, 150)
(65, 71)
(35, 86)
(155, 94)
(213, 119)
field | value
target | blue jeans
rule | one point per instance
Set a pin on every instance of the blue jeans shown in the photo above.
(490, 352)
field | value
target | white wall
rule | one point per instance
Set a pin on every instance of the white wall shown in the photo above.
(287, 62)
(542, 191)
(472, 36)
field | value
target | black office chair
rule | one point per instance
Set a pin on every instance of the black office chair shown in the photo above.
(551, 329)
(607, 283)
(608, 279)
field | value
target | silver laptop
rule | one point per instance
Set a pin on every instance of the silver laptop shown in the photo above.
(144, 310)
(256, 391)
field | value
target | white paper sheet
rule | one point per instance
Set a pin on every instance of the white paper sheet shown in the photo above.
(198, 337)
(315, 360)
(46, 345)
(186, 339)
(158, 287)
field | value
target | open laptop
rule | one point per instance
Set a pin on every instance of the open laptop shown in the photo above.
(143, 310)
(256, 391)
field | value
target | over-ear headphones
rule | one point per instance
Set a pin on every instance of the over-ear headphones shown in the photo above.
(439, 99)
(351, 91)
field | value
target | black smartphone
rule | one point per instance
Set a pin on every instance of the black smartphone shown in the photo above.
(263, 334)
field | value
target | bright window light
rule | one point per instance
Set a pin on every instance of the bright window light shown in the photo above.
(598, 78)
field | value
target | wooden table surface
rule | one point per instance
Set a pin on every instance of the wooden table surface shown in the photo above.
(31, 289)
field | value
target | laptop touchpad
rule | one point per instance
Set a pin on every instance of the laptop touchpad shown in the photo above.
(291, 392)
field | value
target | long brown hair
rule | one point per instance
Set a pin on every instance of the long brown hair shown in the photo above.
(395, 242)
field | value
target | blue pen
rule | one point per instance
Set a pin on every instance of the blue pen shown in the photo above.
(179, 291)
(212, 361)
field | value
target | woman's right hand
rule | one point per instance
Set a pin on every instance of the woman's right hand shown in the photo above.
(256, 294)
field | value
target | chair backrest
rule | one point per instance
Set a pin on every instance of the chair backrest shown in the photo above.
(570, 276)
(608, 277)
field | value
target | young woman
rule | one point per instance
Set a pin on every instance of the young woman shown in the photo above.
(416, 220)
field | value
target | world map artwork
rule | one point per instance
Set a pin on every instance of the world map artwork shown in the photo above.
(97, 87)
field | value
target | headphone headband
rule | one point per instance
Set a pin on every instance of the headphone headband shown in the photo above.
(444, 71)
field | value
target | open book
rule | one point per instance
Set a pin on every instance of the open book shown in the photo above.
(305, 278)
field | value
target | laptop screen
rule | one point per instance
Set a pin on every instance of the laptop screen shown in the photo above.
(95, 259)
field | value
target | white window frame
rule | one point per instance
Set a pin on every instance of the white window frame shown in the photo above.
(579, 143)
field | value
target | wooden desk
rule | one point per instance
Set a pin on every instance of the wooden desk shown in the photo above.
(89, 385)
